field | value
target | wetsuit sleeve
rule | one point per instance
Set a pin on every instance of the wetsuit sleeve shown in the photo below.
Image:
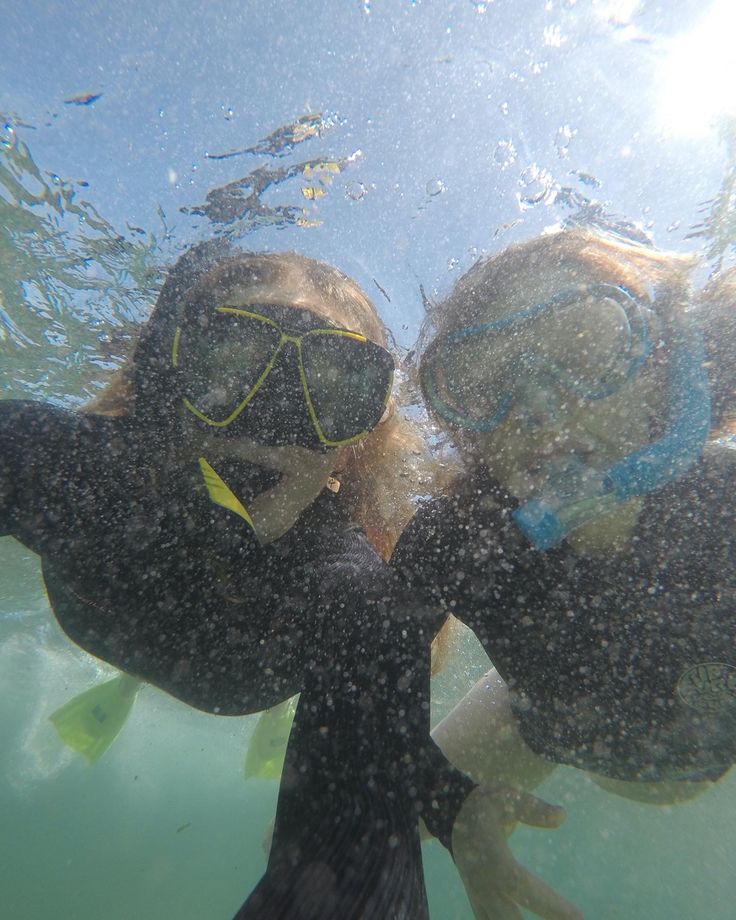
(44, 453)
(420, 558)
(7, 480)
(29, 432)
(360, 768)
(395, 673)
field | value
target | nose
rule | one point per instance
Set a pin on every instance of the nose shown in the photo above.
(538, 405)
(284, 377)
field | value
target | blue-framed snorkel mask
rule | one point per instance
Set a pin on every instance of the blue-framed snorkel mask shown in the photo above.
(464, 392)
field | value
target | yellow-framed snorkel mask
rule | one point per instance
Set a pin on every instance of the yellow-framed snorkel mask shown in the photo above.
(229, 356)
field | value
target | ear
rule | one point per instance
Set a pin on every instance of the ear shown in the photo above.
(387, 412)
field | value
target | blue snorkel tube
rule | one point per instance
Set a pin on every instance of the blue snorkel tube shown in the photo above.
(587, 492)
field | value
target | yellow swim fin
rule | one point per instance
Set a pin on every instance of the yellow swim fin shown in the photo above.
(90, 722)
(267, 746)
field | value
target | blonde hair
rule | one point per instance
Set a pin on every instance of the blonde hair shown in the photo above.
(382, 472)
(595, 256)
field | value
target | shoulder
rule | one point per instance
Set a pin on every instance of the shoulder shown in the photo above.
(29, 420)
(449, 524)
(705, 493)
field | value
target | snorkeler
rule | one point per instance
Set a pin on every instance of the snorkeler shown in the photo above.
(589, 542)
(193, 533)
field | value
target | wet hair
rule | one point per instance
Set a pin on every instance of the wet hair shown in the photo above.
(595, 256)
(380, 473)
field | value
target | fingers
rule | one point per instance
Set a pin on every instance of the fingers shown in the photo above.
(494, 906)
(513, 805)
(517, 888)
(537, 813)
(497, 885)
(535, 895)
(291, 459)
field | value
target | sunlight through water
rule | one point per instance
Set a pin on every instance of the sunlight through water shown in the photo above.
(697, 86)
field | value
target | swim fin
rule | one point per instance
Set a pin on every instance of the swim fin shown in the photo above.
(267, 745)
(91, 721)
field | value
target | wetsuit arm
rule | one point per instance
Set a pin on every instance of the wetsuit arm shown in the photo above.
(360, 768)
(481, 737)
(46, 458)
(22, 463)
(7, 480)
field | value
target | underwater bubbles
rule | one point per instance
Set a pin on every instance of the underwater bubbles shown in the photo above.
(435, 187)
(355, 191)
(536, 187)
(504, 154)
(563, 137)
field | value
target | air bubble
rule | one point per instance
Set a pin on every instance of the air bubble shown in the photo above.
(504, 154)
(453, 265)
(563, 137)
(435, 187)
(537, 186)
(355, 191)
(504, 108)
(675, 225)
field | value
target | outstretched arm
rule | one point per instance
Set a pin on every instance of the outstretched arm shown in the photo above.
(480, 737)
(50, 463)
(29, 434)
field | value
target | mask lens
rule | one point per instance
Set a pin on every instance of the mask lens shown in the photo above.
(472, 377)
(348, 382)
(222, 360)
(582, 343)
(586, 345)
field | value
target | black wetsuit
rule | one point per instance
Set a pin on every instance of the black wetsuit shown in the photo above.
(624, 665)
(144, 571)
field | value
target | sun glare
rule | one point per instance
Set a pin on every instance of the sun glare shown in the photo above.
(697, 78)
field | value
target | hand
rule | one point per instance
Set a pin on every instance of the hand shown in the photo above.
(498, 886)
(304, 474)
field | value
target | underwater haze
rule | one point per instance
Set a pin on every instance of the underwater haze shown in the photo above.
(398, 140)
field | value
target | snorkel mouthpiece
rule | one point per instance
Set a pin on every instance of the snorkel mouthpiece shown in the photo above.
(547, 520)
(559, 510)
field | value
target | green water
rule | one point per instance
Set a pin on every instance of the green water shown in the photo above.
(165, 826)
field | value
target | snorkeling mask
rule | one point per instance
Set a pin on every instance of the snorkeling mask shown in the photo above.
(238, 374)
(577, 493)
(472, 376)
